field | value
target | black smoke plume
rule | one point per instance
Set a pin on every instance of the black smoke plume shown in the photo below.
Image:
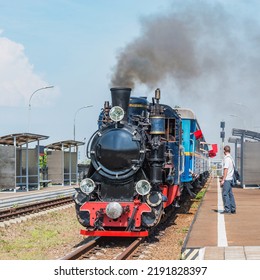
(208, 51)
(196, 39)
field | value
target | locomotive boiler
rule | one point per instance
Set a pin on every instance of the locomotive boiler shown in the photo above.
(137, 160)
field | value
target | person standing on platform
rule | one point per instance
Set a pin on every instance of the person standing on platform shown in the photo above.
(227, 181)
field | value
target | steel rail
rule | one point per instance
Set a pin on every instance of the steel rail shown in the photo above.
(130, 249)
(32, 208)
(82, 250)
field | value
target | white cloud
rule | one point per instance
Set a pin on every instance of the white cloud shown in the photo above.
(17, 77)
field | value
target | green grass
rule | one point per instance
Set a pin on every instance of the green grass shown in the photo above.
(200, 194)
(185, 229)
(194, 205)
(40, 238)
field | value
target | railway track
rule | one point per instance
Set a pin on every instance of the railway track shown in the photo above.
(14, 212)
(105, 248)
(111, 248)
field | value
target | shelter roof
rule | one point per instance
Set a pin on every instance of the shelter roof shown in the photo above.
(64, 144)
(21, 138)
(238, 140)
(234, 140)
(246, 133)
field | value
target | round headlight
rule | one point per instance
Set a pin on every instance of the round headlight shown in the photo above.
(114, 210)
(87, 186)
(143, 187)
(116, 113)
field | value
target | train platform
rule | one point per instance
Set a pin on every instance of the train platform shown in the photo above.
(216, 236)
(21, 197)
(53, 188)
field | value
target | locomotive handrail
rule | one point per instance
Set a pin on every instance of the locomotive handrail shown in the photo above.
(89, 142)
(183, 158)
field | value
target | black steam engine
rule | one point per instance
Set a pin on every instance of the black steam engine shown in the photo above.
(134, 173)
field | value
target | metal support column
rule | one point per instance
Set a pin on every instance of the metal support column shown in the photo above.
(236, 161)
(242, 160)
(38, 168)
(62, 164)
(70, 166)
(21, 165)
(27, 167)
(15, 164)
(77, 169)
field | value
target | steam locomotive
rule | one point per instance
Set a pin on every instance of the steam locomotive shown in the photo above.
(143, 156)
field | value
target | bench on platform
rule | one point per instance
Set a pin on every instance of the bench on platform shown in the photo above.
(45, 183)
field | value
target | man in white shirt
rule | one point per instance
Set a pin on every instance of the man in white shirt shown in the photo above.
(227, 193)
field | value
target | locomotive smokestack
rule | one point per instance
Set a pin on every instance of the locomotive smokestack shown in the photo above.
(121, 97)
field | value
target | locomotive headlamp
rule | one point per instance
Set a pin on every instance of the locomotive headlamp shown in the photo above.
(114, 210)
(116, 113)
(87, 186)
(143, 187)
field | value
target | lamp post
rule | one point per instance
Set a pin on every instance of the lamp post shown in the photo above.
(74, 123)
(29, 111)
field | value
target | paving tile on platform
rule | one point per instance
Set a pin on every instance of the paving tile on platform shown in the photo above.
(235, 253)
(214, 253)
(252, 252)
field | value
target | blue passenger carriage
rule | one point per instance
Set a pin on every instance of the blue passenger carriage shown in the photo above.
(195, 150)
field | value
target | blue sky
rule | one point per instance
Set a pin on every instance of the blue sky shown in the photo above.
(74, 46)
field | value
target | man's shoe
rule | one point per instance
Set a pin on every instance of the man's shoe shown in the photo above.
(225, 212)
(233, 212)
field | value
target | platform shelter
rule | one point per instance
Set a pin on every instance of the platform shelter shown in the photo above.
(19, 164)
(247, 156)
(62, 162)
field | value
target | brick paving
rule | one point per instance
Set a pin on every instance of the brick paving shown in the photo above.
(242, 228)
